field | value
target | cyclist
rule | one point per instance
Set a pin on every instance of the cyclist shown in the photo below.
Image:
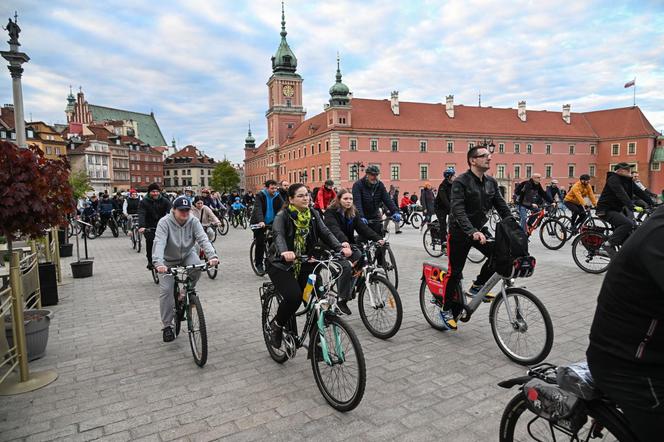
(174, 245)
(404, 205)
(237, 206)
(130, 205)
(189, 193)
(626, 350)
(528, 196)
(106, 207)
(325, 196)
(248, 198)
(204, 214)
(619, 193)
(427, 199)
(297, 230)
(442, 203)
(268, 203)
(150, 210)
(575, 201)
(369, 193)
(555, 193)
(473, 195)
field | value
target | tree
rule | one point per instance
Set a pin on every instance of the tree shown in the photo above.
(80, 183)
(224, 177)
(35, 193)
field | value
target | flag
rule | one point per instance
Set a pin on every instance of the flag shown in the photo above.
(630, 83)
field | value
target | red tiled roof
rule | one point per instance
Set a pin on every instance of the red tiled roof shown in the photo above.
(100, 133)
(620, 123)
(160, 149)
(130, 139)
(315, 125)
(193, 153)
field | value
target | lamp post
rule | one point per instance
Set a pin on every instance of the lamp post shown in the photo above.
(16, 59)
(303, 177)
(488, 144)
(356, 167)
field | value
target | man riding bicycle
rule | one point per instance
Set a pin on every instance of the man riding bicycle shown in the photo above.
(474, 194)
(150, 210)
(369, 193)
(575, 200)
(268, 203)
(174, 245)
(528, 196)
(619, 194)
(626, 351)
(442, 203)
(131, 203)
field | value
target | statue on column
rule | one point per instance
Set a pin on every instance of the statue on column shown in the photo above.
(13, 30)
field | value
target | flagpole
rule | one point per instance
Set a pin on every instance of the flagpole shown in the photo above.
(634, 102)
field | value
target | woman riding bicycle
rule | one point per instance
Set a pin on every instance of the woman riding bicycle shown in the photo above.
(204, 214)
(296, 231)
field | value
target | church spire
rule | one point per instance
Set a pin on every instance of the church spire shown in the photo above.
(339, 91)
(284, 60)
(250, 141)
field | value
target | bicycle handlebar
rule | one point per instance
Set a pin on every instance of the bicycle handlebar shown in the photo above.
(177, 269)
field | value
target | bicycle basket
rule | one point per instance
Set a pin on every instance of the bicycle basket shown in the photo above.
(554, 404)
(523, 267)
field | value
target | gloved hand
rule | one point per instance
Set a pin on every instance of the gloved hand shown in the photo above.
(364, 220)
(396, 217)
(638, 209)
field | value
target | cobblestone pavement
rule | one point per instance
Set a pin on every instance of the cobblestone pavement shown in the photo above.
(119, 381)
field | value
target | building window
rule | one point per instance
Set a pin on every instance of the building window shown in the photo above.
(424, 171)
(572, 149)
(374, 145)
(450, 146)
(591, 170)
(49, 150)
(501, 147)
(500, 171)
(395, 145)
(395, 172)
(320, 174)
(327, 146)
(353, 172)
(3, 134)
(570, 171)
(353, 145)
(548, 170)
(517, 171)
(593, 149)
(423, 145)
(615, 149)
(529, 148)
(320, 149)
(548, 149)
(289, 103)
(631, 148)
(312, 149)
(327, 173)
(656, 167)
(529, 170)
(517, 148)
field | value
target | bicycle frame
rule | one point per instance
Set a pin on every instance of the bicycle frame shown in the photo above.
(478, 298)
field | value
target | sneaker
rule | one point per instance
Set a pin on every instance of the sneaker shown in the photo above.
(168, 334)
(609, 249)
(475, 289)
(448, 320)
(343, 306)
(398, 232)
(276, 334)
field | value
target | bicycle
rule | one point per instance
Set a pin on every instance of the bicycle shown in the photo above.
(515, 314)
(134, 236)
(211, 270)
(92, 227)
(386, 261)
(252, 248)
(73, 227)
(432, 241)
(211, 232)
(555, 403)
(238, 219)
(333, 347)
(188, 308)
(552, 232)
(414, 216)
(122, 222)
(153, 269)
(222, 227)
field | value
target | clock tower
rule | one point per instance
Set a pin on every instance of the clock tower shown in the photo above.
(285, 109)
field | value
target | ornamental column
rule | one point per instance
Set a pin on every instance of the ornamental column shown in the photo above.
(16, 60)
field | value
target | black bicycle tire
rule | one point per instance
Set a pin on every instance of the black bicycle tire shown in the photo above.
(212, 272)
(362, 378)
(416, 216)
(214, 234)
(548, 324)
(132, 238)
(252, 253)
(607, 417)
(194, 302)
(562, 229)
(393, 260)
(575, 246)
(244, 222)
(397, 300)
(424, 243)
(280, 359)
(155, 276)
(222, 229)
(424, 297)
(114, 229)
(178, 314)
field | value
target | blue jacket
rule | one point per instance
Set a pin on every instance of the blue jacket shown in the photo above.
(369, 198)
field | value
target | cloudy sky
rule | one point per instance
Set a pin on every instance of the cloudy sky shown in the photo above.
(201, 65)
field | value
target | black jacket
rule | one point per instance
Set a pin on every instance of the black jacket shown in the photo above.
(529, 193)
(472, 198)
(619, 192)
(344, 229)
(629, 319)
(283, 237)
(442, 202)
(150, 211)
(427, 200)
(369, 198)
(260, 206)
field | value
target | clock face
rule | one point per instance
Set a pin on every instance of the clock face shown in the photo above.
(288, 91)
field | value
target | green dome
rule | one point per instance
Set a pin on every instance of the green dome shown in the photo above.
(284, 60)
(339, 91)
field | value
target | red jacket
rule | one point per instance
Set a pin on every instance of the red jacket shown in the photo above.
(324, 198)
(405, 202)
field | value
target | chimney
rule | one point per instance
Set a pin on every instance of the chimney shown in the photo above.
(522, 110)
(394, 98)
(449, 106)
(567, 115)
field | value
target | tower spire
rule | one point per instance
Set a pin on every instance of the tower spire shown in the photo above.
(339, 91)
(283, 21)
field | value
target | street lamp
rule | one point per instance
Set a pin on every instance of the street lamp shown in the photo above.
(356, 167)
(488, 144)
(303, 176)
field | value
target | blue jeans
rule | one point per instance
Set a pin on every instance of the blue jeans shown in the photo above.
(523, 216)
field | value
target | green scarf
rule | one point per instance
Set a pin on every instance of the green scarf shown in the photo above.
(301, 219)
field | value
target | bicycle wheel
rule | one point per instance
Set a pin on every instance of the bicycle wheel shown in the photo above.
(390, 267)
(528, 339)
(234, 221)
(197, 331)
(139, 242)
(132, 238)
(416, 220)
(269, 310)
(222, 228)
(212, 272)
(252, 254)
(588, 254)
(114, 228)
(243, 221)
(178, 315)
(431, 306)
(155, 275)
(125, 226)
(432, 242)
(91, 231)
(342, 381)
(70, 230)
(475, 256)
(519, 424)
(553, 234)
(212, 234)
(382, 316)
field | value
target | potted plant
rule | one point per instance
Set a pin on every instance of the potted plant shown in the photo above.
(36, 324)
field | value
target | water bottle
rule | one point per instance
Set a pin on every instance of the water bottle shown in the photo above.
(311, 282)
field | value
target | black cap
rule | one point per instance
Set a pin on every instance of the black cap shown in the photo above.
(585, 177)
(622, 166)
(372, 170)
(154, 186)
(182, 203)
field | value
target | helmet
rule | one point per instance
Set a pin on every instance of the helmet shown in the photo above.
(237, 198)
(373, 170)
(188, 189)
(449, 172)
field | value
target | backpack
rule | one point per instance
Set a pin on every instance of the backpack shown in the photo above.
(511, 243)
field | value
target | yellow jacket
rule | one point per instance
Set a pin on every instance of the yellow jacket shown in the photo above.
(578, 192)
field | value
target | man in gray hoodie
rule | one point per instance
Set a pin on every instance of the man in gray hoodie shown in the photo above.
(176, 235)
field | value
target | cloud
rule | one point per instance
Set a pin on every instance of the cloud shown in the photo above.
(201, 66)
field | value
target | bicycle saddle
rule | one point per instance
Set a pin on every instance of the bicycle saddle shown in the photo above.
(576, 379)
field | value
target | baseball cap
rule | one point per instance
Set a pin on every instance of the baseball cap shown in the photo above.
(182, 203)
(622, 166)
